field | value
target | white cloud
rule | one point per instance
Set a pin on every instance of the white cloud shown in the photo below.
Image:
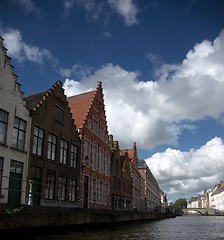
(189, 172)
(94, 9)
(153, 113)
(28, 5)
(106, 35)
(98, 10)
(77, 70)
(22, 51)
(127, 9)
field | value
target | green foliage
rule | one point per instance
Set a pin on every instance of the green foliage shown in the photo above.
(14, 211)
(180, 203)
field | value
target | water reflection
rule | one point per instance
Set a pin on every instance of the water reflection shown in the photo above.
(184, 228)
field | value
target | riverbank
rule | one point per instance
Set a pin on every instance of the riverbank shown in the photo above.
(36, 219)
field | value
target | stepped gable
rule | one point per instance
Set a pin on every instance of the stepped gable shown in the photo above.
(132, 153)
(80, 105)
(36, 100)
(5, 65)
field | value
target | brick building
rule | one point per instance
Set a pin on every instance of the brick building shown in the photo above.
(54, 161)
(151, 186)
(138, 185)
(89, 113)
(121, 179)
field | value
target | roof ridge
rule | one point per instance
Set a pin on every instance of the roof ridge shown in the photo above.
(82, 93)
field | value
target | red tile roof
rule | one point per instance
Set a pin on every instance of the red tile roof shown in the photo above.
(80, 105)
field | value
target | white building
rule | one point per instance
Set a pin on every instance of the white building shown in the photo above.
(193, 202)
(217, 197)
(14, 134)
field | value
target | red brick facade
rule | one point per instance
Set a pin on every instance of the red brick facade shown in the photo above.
(121, 179)
(89, 113)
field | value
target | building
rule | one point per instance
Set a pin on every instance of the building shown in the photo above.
(54, 161)
(151, 186)
(126, 181)
(193, 202)
(121, 179)
(217, 197)
(163, 199)
(138, 185)
(14, 134)
(88, 110)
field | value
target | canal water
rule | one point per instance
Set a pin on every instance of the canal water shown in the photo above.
(189, 227)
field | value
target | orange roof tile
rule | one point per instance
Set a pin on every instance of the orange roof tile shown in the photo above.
(80, 105)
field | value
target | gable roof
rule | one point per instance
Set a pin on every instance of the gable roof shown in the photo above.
(219, 189)
(132, 154)
(80, 105)
(35, 100)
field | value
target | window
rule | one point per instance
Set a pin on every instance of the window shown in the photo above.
(101, 132)
(62, 188)
(100, 106)
(86, 152)
(101, 192)
(94, 186)
(50, 185)
(51, 152)
(74, 156)
(38, 139)
(95, 126)
(1, 171)
(19, 132)
(101, 162)
(90, 123)
(58, 114)
(16, 167)
(3, 126)
(107, 165)
(73, 190)
(94, 156)
(63, 153)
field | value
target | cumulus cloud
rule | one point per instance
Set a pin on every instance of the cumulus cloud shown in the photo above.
(127, 9)
(77, 70)
(154, 113)
(94, 9)
(22, 51)
(188, 173)
(98, 10)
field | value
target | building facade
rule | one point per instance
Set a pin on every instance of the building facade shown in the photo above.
(151, 186)
(217, 197)
(121, 179)
(138, 185)
(55, 147)
(14, 134)
(88, 110)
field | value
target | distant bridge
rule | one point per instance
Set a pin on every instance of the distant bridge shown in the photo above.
(202, 211)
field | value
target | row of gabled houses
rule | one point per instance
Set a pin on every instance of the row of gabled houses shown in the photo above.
(213, 198)
(56, 151)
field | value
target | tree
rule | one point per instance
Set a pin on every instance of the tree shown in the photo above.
(180, 203)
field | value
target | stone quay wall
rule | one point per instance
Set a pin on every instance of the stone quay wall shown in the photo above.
(31, 217)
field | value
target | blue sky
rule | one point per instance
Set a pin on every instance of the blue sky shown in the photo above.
(162, 68)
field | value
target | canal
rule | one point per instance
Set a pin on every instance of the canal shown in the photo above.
(187, 227)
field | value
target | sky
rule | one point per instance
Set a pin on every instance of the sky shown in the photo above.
(161, 64)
